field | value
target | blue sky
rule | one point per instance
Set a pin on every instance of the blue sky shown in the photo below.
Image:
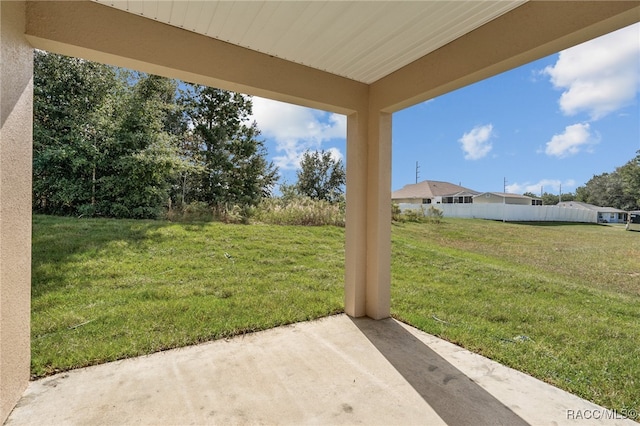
(553, 123)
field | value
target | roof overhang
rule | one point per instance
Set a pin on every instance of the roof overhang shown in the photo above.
(339, 56)
(360, 40)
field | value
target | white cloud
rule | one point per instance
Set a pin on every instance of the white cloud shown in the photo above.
(475, 143)
(599, 76)
(575, 138)
(336, 155)
(551, 186)
(296, 129)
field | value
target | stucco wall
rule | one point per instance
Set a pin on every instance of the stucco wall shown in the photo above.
(16, 82)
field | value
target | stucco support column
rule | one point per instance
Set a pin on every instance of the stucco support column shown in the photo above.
(356, 217)
(379, 216)
(368, 228)
(16, 88)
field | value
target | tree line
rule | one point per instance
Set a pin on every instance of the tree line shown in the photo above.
(117, 143)
(619, 189)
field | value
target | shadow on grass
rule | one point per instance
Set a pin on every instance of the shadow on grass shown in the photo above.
(454, 396)
(57, 241)
(552, 224)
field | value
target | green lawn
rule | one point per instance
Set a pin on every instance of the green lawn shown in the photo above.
(561, 303)
(558, 301)
(109, 289)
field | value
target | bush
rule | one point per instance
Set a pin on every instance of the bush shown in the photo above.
(87, 210)
(396, 213)
(234, 214)
(434, 215)
(300, 211)
(413, 215)
(197, 211)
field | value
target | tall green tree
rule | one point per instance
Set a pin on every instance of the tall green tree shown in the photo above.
(226, 149)
(321, 177)
(70, 97)
(630, 175)
(105, 140)
(116, 143)
(144, 152)
(619, 189)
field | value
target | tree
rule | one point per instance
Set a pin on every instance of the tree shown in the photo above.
(630, 175)
(144, 154)
(70, 95)
(619, 189)
(225, 147)
(117, 143)
(102, 139)
(601, 190)
(321, 177)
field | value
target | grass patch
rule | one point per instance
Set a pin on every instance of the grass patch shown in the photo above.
(108, 289)
(561, 303)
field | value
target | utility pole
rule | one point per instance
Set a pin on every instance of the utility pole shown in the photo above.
(560, 198)
(504, 199)
(417, 171)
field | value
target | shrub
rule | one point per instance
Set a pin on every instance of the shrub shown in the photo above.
(300, 211)
(396, 213)
(234, 213)
(197, 211)
(434, 215)
(413, 215)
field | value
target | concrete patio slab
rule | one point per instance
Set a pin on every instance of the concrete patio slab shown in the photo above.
(337, 370)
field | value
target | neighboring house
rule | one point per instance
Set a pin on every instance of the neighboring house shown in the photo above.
(504, 198)
(605, 214)
(433, 192)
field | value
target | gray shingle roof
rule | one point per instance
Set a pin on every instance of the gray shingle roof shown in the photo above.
(430, 189)
(508, 195)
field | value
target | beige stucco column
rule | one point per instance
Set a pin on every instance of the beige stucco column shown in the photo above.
(16, 88)
(368, 225)
(379, 215)
(355, 289)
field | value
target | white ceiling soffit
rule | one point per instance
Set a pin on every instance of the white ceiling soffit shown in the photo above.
(360, 40)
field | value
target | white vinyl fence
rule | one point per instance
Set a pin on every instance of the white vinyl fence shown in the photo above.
(509, 212)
